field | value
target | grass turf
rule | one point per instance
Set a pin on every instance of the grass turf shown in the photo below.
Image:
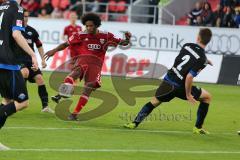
(165, 135)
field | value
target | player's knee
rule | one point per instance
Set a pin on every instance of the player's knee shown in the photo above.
(25, 72)
(22, 105)
(75, 74)
(206, 97)
(39, 79)
(93, 85)
(155, 102)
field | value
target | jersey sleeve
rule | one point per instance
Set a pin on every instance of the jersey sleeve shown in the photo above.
(36, 39)
(74, 39)
(200, 65)
(17, 22)
(112, 40)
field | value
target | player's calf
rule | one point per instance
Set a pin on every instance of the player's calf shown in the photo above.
(22, 105)
(205, 99)
(42, 91)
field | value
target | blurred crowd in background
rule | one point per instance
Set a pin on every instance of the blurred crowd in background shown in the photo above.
(226, 14)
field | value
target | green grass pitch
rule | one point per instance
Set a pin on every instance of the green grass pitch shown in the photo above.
(167, 134)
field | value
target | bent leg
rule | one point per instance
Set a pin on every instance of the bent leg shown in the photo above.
(205, 99)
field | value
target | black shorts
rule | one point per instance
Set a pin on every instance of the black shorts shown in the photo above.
(12, 85)
(32, 73)
(167, 91)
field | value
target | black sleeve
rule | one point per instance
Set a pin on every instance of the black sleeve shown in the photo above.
(36, 39)
(200, 65)
(17, 22)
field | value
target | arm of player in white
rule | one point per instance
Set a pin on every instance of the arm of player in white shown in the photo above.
(22, 42)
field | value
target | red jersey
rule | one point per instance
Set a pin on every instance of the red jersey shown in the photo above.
(70, 30)
(93, 44)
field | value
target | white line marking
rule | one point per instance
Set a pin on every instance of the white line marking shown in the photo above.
(3, 147)
(108, 129)
(124, 151)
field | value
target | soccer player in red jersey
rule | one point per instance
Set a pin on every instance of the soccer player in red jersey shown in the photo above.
(92, 45)
(70, 30)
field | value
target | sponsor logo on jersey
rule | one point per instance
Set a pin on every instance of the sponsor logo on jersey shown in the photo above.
(22, 96)
(94, 46)
(19, 23)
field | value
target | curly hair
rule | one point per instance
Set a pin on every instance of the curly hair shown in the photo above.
(91, 17)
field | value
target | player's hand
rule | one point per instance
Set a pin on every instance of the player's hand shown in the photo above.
(210, 62)
(44, 64)
(191, 99)
(128, 35)
(35, 63)
(49, 54)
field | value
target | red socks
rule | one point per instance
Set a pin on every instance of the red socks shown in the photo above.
(81, 103)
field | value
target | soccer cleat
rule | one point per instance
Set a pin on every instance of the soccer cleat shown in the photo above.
(131, 125)
(199, 131)
(47, 110)
(56, 98)
(66, 90)
(73, 117)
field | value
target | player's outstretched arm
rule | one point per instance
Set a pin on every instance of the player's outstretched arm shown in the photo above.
(55, 50)
(188, 88)
(21, 41)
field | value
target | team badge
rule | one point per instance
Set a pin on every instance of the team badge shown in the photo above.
(102, 41)
(29, 33)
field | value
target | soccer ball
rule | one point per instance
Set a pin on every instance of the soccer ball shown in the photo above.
(238, 133)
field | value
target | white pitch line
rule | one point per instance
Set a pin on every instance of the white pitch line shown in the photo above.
(3, 147)
(107, 129)
(124, 151)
